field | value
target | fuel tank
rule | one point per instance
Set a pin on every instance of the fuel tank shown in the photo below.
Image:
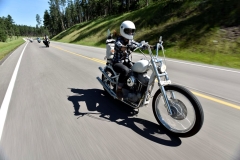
(140, 66)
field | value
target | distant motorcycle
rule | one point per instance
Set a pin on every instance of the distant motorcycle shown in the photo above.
(39, 40)
(174, 107)
(31, 40)
(46, 42)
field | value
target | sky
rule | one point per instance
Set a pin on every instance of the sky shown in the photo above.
(23, 12)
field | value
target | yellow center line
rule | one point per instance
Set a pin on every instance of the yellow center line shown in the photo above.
(196, 93)
(93, 59)
(216, 100)
(98, 60)
(72, 52)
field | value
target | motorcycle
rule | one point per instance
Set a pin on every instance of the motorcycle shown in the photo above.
(46, 42)
(174, 107)
(39, 40)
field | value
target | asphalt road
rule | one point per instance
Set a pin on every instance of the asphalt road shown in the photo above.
(51, 83)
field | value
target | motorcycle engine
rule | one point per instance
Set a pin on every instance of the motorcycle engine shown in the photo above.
(137, 85)
(131, 81)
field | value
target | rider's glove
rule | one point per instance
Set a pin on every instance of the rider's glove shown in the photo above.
(130, 47)
(144, 47)
(155, 47)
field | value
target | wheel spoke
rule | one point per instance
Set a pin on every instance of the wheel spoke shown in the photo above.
(183, 114)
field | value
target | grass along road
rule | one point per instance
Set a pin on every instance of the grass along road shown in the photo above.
(8, 47)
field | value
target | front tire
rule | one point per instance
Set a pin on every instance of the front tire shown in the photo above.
(187, 118)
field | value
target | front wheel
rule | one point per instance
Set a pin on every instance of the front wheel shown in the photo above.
(187, 113)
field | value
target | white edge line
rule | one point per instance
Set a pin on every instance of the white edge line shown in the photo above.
(228, 70)
(6, 59)
(7, 98)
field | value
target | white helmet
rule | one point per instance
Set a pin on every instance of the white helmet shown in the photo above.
(127, 29)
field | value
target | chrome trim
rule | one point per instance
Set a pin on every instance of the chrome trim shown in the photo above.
(107, 88)
(105, 74)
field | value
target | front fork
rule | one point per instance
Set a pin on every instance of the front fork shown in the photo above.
(165, 99)
(161, 86)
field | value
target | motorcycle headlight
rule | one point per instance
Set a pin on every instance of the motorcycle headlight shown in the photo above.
(162, 68)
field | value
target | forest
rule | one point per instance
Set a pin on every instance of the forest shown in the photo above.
(64, 14)
(10, 30)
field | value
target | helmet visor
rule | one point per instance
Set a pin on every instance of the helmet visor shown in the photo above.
(129, 31)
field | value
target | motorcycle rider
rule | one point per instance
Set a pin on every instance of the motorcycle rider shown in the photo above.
(121, 63)
(45, 38)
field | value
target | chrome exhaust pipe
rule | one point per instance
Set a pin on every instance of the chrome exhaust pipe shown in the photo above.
(107, 89)
(114, 95)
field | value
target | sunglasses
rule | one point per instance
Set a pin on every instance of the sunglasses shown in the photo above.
(129, 31)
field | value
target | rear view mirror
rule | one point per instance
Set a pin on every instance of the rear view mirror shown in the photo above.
(160, 39)
(108, 32)
(109, 35)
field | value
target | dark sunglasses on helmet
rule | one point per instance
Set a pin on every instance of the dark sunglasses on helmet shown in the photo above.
(129, 31)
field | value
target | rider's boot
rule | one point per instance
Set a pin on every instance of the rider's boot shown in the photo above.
(119, 92)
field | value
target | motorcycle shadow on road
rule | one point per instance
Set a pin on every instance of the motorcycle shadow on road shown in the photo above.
(105, 108)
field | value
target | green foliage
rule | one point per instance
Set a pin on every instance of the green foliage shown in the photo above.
(9, 30)
(3, 35)
(193, 30)
(7, 47)
(38, 19)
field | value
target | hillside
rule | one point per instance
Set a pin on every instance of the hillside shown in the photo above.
(202, 31)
